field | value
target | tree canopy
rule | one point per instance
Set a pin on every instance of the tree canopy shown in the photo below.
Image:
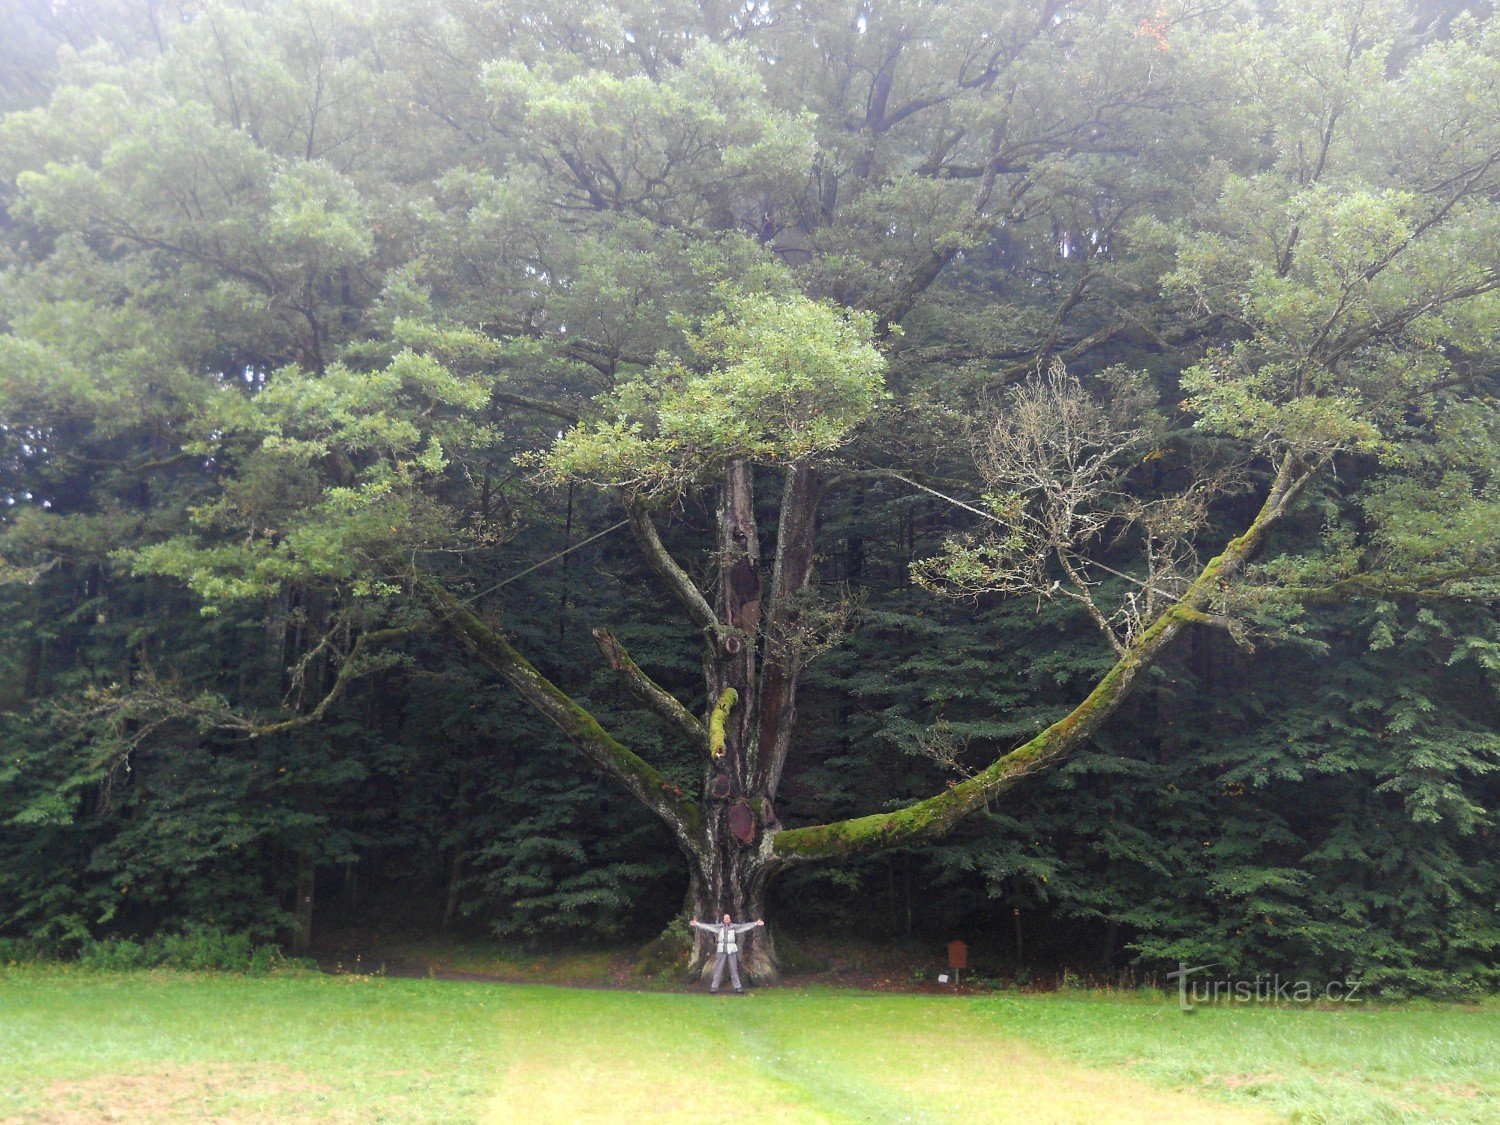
(986, 374)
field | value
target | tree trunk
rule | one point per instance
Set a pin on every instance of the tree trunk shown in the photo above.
(1111, 939)
(730, 869)
(734, 883)
(302, 908)
(455, 886)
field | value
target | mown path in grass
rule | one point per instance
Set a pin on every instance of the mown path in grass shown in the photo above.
(169, 1047)
(803, 1056)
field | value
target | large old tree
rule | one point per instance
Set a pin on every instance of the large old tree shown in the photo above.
(369, 283)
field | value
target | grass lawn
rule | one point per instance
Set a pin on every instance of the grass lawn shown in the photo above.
(78, 1046)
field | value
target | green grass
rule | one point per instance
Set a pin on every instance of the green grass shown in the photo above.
(446, 957)
(1334, 1063)
(168, 1046)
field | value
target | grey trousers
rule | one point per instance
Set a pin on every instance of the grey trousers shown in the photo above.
(733, 961)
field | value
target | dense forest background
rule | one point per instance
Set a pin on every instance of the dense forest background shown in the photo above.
(195, 198)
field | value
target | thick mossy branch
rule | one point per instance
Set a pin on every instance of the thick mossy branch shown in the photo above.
(1461, 584)
(648, 691)
(932, 818)
(716, 720)
(634, 773)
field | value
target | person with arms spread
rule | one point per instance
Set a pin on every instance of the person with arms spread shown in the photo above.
(726, 934)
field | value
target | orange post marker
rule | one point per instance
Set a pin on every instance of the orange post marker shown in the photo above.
(958, 958)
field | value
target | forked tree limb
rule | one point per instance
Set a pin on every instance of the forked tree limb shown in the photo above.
(930, 819)
(648, 691)
(348, 672)
(632, 772)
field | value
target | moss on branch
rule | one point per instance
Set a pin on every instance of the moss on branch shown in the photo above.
(633, 772)
(716, 720)
(648, 691)
(933, 817)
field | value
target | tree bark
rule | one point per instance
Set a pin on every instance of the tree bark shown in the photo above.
(733, 882)
(795, 543)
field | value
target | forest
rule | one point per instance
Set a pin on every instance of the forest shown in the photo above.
(1025, 470)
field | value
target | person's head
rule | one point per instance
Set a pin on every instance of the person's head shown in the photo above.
(727, 919)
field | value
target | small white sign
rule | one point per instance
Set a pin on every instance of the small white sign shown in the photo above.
(942, 978)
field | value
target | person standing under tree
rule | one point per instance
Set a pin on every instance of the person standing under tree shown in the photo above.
(727, 935)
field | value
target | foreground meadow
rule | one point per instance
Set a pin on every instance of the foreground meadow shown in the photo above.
(167, 1046)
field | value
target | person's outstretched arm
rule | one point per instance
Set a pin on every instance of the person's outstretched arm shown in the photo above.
(700, 925)
(743, 926)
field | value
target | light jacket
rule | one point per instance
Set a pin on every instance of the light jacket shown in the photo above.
(727, 936)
